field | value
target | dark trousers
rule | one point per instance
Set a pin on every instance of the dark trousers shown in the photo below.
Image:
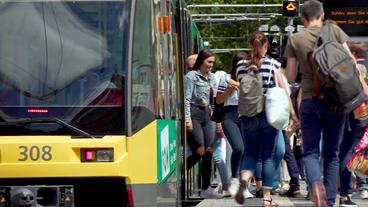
(291, 165)
(202, 135)
(298, 154)
(205, 167)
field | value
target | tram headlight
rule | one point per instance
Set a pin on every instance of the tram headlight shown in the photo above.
(97, 155)
(4, 197)
(106, 155)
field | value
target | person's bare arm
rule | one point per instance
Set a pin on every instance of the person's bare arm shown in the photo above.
(221, 97)
(299, 99)
(291, 69)
(233, 83)
(232, 86)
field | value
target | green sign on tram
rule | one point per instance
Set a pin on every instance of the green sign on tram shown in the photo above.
(166, 149)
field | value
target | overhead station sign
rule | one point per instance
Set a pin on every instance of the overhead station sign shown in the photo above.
(350, 15)
(290, 8)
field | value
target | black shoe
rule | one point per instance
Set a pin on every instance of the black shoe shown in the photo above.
(348, 203)
(292, 193)
(259, 193)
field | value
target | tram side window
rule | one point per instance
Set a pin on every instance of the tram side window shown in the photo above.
(143, 81)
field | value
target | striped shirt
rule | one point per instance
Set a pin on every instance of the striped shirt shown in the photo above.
(231, 100)
(267, 65)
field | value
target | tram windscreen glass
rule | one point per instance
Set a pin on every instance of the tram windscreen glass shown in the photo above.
(63, 60)
(350, 15)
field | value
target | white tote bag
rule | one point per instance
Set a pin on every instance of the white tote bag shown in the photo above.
(277, 104)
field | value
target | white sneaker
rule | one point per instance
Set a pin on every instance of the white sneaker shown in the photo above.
(234, 186)
(363, 194)
(247, 194)
(211, 193)
(226, 194)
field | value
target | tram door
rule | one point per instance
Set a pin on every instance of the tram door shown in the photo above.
(167, 93)
(164, 55)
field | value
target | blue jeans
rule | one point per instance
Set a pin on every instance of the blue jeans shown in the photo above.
(219, 159)
(230, 125)
(279, 152)
(363, 183)
(318, 117)
(259, 136)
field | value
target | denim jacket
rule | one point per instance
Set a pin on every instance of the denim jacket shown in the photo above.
(197, 90)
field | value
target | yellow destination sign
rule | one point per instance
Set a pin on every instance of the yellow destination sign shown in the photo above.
(291, 7)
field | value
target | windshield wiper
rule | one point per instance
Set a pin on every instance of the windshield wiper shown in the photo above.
(48, 120)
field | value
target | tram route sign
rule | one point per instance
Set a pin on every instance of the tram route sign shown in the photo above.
(263, 28)
(275, 28)
(290, 8)
(350, 15)
(289, 28)
(166, 149)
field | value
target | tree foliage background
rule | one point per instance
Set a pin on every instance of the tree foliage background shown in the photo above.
(233, 34)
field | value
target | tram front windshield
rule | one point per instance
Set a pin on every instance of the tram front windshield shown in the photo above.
(62, 67)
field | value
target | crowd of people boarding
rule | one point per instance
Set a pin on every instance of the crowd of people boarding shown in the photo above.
(229, 108)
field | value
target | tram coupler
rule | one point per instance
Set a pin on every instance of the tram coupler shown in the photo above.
(37, 196)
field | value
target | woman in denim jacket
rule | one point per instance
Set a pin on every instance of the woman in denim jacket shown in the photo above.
(198, 93)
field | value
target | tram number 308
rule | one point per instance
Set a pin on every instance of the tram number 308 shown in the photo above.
(35, 153)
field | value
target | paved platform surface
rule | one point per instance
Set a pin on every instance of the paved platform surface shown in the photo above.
(257, 202)
(282, 201)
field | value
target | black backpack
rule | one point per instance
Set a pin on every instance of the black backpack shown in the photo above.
(337, 72)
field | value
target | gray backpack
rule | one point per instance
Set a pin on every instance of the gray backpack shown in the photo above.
(337, 73)
(251, 98)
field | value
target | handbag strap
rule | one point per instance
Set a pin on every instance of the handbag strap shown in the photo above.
(274, 73)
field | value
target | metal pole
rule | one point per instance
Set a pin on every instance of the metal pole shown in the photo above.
(233, 5)
(236, 14)
(291, 23)
(227, 20)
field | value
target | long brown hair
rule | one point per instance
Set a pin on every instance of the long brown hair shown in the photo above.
(256, 42)
(202, 56)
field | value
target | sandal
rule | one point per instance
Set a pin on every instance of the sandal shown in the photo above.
(270, 203)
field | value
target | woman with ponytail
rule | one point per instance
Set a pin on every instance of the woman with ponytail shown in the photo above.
(259, 136)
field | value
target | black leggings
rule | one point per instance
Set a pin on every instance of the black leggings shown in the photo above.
(202, 135)
(206, 167)
(203, 132)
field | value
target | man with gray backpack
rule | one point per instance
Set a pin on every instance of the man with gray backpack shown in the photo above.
(331, 89)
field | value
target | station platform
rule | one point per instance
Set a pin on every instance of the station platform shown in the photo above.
(282, 201)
